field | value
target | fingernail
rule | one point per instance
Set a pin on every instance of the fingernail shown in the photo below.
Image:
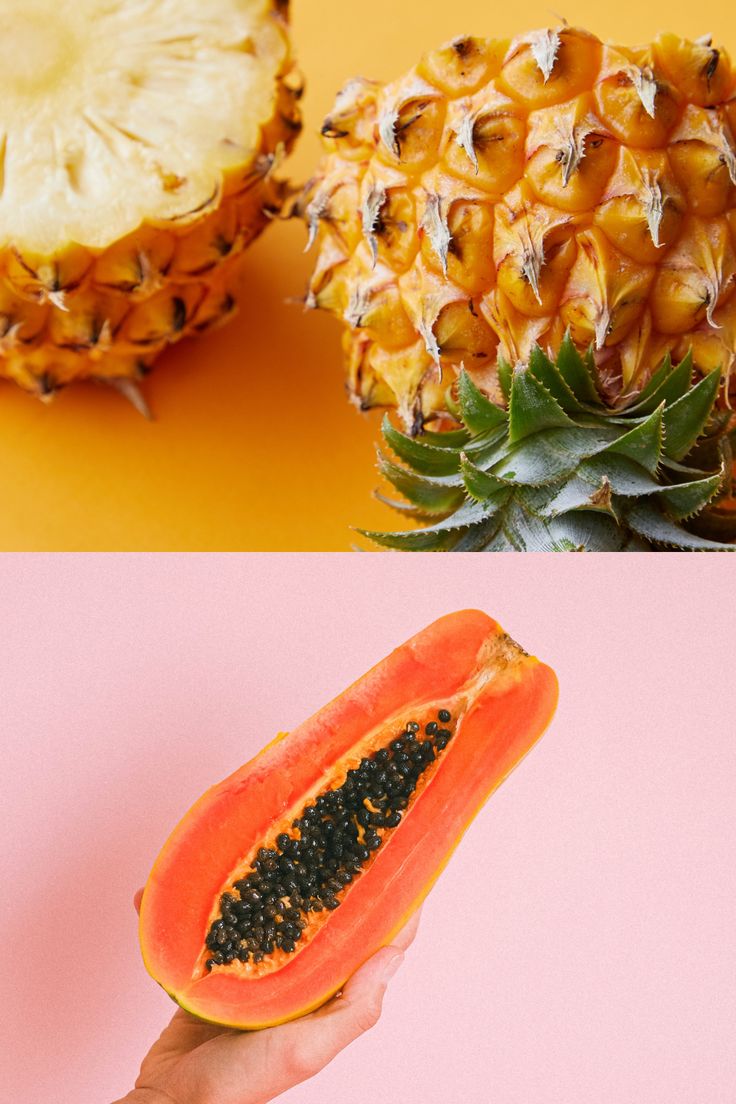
(392, 966)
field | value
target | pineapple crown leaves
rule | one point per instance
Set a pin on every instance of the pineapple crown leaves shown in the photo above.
(555, 469)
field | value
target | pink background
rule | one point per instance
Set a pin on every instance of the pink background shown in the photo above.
(581, 946)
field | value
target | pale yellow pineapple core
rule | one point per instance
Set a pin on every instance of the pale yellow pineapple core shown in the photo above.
(505, 192)
(137, 144)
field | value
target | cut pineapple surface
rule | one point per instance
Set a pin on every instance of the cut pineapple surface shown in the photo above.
(138, 142)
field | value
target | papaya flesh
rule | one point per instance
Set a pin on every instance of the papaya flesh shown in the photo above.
(330, 865)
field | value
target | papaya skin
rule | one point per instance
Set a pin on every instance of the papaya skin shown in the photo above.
(502, 698)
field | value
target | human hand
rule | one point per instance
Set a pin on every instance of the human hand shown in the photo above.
(199, 1063)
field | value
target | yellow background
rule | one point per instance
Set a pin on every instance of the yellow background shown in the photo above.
(254, 446)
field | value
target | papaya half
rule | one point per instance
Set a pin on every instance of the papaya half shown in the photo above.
(285, 877)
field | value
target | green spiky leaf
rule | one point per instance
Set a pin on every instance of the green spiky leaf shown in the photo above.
(407, 510)
(523, 531)
(532, 408)
(479, 484)
(684, 500)
(440, 533)
(413, 540)
(421, 457)
(643, 443)
(577, 373)
(647, 400)
(625, 476)
(586, 531)
(548, 374)
(671, 384)
(477, 411)
(685, 420)
(431, 495)
(645, 520)
(489, 448)
(447, 439)
(505, 376)
(580, 494)
(546, 457)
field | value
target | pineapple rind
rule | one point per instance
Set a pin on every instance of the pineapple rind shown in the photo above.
(503, 194)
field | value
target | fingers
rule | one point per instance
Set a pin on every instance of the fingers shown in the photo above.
(137, 900)
(370, 971)
(319, 1037)
(311, 1043)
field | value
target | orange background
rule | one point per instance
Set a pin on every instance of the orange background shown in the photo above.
(254, 446)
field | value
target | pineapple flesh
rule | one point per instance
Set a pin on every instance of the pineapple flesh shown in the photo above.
(505, 193)
(138, 143)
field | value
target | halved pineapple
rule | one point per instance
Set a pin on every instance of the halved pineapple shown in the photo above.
(138, 143)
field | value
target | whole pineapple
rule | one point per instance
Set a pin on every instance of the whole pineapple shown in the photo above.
(138, 143)
(505, 193)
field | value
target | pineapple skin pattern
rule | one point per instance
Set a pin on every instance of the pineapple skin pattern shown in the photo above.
(505, 193)
(95, 303)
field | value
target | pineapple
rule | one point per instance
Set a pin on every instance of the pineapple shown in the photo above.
(506, 193)
(553, 468)
(138, 143)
